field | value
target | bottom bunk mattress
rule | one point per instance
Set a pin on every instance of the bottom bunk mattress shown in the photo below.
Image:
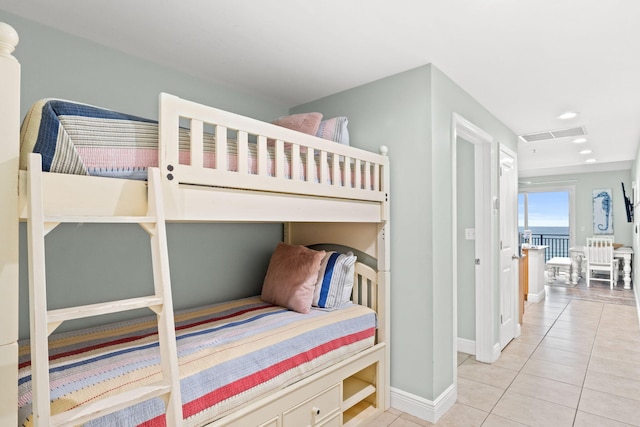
(228, 353)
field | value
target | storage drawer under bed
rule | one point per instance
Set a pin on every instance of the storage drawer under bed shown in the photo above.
(314, 411)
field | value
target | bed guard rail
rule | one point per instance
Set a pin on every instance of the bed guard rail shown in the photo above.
(201, 145)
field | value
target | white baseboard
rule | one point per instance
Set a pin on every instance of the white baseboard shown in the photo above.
(466, 346)
(536, 297)
(421, 407)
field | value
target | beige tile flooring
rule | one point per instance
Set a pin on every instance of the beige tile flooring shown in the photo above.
(577, 363)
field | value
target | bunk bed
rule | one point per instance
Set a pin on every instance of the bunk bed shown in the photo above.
(212, 166)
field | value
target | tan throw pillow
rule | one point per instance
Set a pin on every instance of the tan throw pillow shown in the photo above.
(291, 277)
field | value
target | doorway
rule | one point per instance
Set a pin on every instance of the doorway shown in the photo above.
(483, 232)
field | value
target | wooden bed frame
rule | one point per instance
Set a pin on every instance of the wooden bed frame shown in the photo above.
(354, 215)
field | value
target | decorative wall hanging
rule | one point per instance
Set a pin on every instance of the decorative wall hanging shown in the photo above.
(602, 211)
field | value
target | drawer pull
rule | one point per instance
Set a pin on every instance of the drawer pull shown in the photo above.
(316, 411)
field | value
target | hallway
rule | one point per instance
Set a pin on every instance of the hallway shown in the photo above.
(576, 363)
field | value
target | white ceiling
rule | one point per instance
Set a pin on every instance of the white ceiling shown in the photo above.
(526, 61)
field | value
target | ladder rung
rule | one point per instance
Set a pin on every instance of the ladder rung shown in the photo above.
(105, 406)
(82, 311)
(100, 219)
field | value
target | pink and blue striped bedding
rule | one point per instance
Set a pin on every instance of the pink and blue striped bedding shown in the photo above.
(81, 139)
(228, 353)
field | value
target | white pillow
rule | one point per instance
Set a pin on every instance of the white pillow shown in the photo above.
(335, 280)
(334, 129)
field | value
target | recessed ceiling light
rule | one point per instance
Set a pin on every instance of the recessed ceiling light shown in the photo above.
(579, 140)
(590, 160)
(568, 115)
(585, 151)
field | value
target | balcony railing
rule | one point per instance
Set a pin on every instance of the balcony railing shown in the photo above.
(558, 244)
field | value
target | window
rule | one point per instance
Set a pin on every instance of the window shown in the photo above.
(548, 215)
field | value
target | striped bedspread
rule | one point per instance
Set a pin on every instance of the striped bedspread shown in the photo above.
(228, 354)
(81, 139)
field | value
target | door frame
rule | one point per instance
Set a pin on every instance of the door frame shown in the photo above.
(485, 163)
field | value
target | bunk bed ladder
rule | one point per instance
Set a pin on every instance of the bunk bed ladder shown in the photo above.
(44, 322)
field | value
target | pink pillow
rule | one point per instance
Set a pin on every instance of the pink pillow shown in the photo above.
(291, 277)
(305, 122)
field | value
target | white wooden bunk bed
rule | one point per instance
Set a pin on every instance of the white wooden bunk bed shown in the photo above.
(347, 206)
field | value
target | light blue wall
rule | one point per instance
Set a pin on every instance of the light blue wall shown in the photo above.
(395, 112)
(449, 98)
(411, 113)
(209, 262)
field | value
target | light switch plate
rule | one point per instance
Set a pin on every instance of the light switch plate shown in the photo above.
(470, 233)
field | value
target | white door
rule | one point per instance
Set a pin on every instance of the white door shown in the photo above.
(508, 246)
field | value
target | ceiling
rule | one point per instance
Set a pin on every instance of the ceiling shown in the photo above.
(526, 61)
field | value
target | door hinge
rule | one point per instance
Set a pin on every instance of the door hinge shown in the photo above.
(477, 261)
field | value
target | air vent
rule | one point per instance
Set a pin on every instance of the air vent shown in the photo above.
(554, 134)
(533, 137)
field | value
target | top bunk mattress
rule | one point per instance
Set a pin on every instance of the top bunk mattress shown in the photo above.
(228, 354)
(80, 139)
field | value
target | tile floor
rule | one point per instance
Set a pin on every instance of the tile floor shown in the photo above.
(577, 363)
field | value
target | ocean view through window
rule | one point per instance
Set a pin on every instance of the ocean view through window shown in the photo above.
(546, 215)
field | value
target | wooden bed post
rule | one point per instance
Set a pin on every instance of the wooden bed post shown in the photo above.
(384, 274)
(9, 161)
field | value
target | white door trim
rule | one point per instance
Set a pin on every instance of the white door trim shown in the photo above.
(485, 160)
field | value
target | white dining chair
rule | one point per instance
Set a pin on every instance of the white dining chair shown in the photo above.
(599, 258)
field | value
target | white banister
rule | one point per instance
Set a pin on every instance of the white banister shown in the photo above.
(221, 148)
(335, 170)
(295, 162)
(243, 152)
(262, 155)
(311, 166)
(279, 173)
(197, 143)
(357, 170)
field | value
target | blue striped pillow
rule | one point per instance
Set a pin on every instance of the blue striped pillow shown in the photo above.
(335, 280)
